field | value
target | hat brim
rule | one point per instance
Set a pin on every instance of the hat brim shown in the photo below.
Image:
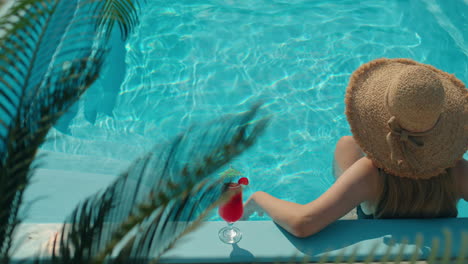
(367, 115)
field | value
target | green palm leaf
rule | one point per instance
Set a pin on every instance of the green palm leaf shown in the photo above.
(50, 53)
(123, 12)
(162, 196)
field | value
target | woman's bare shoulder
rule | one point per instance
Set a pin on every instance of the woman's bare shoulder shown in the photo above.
(460, 172)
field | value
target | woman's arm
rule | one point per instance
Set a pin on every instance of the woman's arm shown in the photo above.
(281, 211)
(357, 184)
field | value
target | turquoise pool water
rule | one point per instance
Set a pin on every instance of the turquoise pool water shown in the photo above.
(190, 61)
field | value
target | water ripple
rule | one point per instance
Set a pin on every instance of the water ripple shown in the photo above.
(192, 60)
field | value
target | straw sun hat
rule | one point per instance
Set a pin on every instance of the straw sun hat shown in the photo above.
(411, 119)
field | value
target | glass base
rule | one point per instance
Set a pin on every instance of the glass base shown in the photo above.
(230, 234)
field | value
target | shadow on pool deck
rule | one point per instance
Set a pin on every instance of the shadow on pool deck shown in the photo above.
(384, 235)
(238, 252)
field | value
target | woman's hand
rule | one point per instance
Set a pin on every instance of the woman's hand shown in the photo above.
(251, 207)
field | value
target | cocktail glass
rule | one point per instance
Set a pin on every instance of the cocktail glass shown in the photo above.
(231, 211)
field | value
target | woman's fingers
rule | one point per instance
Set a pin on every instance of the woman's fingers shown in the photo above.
(250, 207)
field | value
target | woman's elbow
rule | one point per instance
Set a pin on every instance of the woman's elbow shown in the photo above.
(303, 228)
(300, 233)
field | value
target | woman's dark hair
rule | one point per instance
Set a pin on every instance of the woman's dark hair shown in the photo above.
(410, 198)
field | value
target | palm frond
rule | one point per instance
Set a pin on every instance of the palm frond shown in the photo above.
(396, 253)
(463, 254)
(25, 139)
(169, 223)
(50, 54)
(159, 198)
(123, 12)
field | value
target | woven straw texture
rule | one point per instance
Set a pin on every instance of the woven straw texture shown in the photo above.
(384, 88)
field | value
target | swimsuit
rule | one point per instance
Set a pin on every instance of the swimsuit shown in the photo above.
(362, 215)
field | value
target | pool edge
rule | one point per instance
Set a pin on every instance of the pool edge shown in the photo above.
(264, 241)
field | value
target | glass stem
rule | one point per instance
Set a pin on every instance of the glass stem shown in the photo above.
(230, 225)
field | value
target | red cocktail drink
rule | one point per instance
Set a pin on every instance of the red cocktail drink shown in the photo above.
(232, 210)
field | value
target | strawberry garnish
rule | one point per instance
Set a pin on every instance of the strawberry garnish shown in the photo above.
(243, 181)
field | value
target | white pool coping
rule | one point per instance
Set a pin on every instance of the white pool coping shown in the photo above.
(264, 241)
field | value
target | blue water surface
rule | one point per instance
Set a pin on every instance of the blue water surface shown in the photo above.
(190, 61)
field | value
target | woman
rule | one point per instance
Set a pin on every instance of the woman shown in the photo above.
(405, 159)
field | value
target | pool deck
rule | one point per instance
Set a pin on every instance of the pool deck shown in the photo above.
(266, 242)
